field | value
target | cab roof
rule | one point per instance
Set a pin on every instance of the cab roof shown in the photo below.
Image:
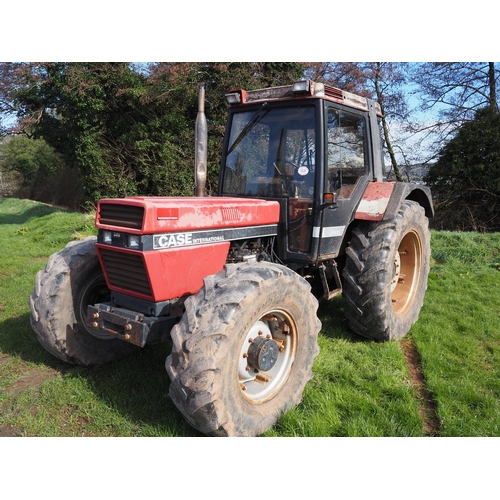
(300, 90)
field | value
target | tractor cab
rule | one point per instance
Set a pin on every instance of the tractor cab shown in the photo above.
(308, 147)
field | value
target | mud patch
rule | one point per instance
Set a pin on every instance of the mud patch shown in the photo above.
(6, 431)
(30, 380)
(428, 406)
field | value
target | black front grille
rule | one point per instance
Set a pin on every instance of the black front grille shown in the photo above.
(129, 216)
(126, 271)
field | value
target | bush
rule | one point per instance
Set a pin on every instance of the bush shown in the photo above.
(32, 169)
(466, 178)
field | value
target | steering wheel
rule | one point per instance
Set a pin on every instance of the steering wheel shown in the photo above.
(294, 165)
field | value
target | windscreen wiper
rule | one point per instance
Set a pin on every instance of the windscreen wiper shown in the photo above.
(256, 118)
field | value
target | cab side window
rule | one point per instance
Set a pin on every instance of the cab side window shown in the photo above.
(347, 158)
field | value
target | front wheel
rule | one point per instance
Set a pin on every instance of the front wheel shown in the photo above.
(385, 276)
(72, 280)
(243, 351)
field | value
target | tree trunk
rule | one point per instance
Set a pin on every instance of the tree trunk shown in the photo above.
(493, 90)
(380, 99)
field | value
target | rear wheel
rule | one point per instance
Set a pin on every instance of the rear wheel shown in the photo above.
(72, 280)
(385, 276)
(243, 351)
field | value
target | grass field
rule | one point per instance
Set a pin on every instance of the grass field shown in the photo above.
(441, 380)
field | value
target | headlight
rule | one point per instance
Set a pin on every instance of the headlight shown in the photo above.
(134, 241)
(107, 237)
(302, 86)
(233, 98)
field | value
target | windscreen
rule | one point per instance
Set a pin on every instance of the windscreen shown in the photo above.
(271, 153)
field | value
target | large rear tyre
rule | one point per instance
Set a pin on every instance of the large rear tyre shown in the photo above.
(385, 276)
(244, 349)
(71, 280)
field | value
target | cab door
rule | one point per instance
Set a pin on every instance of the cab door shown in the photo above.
(347, 174)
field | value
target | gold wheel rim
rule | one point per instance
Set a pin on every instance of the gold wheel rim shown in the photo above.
(406, 275)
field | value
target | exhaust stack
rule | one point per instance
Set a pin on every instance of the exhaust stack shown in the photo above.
(200, 144)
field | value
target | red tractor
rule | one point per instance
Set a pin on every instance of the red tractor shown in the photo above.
(303, 212)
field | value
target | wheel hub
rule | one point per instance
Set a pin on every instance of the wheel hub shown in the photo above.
(262, 354)
(266, 356)
(397, 271)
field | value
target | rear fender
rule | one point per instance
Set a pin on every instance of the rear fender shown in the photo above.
(409, 191)
(381, 200)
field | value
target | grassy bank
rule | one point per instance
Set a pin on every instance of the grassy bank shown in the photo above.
(360, 388)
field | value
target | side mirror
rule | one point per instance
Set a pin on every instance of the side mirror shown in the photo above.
(330, 198)
(329, 201)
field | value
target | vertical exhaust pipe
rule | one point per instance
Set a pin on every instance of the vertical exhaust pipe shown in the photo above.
(200, 144)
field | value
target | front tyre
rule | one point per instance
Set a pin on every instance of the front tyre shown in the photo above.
(244, 349)
(385, 276)
(72, 280)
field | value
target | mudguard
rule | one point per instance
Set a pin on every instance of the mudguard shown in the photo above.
(381, 200)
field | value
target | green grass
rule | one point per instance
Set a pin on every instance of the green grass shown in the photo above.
(458, 334)
(360, 388)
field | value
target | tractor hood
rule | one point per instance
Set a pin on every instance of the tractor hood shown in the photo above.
(149, 215)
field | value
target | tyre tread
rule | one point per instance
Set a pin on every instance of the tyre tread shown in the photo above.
(366, 274)
(199, 348)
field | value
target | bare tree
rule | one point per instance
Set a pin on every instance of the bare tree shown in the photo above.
(388, 79)
(453, 92)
